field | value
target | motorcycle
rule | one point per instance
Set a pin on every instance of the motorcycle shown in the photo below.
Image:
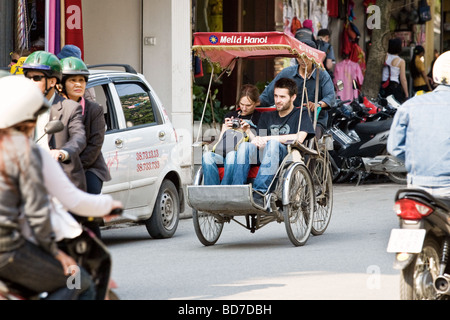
(89, 252)
(422, 245)
(360, 138)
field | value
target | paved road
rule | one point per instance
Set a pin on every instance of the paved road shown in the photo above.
(348, 262)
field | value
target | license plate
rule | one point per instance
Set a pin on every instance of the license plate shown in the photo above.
(406, 240)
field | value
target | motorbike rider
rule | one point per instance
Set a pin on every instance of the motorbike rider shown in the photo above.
(75, 76)
(44, 69)
(420, 134)
(42, 267)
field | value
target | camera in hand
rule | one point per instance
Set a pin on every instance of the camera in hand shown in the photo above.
(235, 123)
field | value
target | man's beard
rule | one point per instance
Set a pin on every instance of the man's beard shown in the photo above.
(283, 107)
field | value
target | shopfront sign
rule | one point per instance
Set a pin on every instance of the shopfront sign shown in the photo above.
(74, 24)
(64, 25)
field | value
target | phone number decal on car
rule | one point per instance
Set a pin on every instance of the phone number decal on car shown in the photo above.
(146, 155)
(147, 166)
(143, 164)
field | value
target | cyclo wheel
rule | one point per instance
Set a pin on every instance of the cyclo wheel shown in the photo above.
(299, 213)
(207, 228)
(323, 184)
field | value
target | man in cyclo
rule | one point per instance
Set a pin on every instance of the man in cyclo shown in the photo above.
(275, 129)
(326, 94)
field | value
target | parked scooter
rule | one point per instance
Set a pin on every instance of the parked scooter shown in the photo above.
(422, 245)
(360, 141)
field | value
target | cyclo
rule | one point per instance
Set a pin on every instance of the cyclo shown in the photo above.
(301, 193)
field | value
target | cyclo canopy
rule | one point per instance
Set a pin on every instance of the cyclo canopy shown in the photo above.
(224, 48)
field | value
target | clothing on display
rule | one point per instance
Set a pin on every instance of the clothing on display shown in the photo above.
(347, 71)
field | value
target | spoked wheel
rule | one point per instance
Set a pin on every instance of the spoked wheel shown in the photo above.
(417, 280)
(207, 227)
(323, 187)
(299, 213)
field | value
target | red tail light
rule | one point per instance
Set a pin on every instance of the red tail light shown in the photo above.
(408, 209)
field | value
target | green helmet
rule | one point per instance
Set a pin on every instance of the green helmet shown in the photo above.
(44, 62)
(73, 66)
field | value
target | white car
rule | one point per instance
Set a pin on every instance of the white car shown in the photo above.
(140, 149)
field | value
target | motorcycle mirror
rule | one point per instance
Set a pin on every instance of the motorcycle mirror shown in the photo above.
(51, 128)
(54, 127)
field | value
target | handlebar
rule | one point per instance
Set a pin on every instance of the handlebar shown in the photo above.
(116, 212)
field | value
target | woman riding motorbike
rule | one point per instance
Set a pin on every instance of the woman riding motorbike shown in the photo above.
(42, 267)
(66, 196)
(75, 76)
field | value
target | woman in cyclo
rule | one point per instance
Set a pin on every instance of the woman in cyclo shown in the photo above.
(246, 118)
(275, 129)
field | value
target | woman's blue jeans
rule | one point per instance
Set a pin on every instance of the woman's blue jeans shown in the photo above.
(210, 163)
(247, 154)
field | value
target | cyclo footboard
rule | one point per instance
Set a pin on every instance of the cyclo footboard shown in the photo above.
(231, 200)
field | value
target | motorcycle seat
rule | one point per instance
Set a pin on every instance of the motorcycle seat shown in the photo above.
(421, 195)
(374, 127)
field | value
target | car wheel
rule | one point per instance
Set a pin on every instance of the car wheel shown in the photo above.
(164, 221)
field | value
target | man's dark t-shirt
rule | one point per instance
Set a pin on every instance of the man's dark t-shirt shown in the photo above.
(270, 124)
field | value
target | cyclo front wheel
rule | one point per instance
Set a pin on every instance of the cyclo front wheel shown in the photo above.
(299, 213)
(207, 227)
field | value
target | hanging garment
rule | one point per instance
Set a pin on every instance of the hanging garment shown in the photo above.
(357, 55)
(346, 44)
(347, 71)
(288, 15)
(295, 25)
(333, 8)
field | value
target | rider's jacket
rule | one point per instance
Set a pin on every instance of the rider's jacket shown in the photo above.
(22, 192)
(420, 136)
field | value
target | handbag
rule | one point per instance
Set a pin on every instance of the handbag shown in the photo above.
(230, 141)
(424, 11)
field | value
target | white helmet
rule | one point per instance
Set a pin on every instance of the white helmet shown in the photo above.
(441, 69)
(20, 100)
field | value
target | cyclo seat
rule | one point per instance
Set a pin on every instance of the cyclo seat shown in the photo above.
(251, 174)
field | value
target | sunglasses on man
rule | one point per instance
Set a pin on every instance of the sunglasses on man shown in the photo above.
(36, 78)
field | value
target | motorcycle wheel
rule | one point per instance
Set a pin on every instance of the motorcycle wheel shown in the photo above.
(397, 177)
(417, 279)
